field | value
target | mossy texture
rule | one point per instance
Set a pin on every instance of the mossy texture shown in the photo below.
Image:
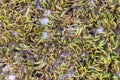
(59, 39)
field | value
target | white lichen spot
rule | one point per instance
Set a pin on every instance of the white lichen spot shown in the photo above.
(44, 21)
(91, 67)
(119, 75)
(35, 2)
(100, 30)
(91, 4)
(69, 74)
(45, 35)
(6, 68)
(38, 7)
(47, 13)
(57, 64)
(10, 77)
(14, 33)
(41, 0)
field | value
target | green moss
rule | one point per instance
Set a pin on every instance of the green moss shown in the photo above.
(82, 43)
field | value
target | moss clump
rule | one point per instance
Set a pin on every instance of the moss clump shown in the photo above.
(60, 39)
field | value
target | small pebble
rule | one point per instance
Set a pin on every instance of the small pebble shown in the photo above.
(91, 4)
(35, 2)
(119, 75)
(47, 13)
(44, 35)
(42, 0)
(6, 68)
(14, 33)
(44, 21)
(38, 7)
(10, 77)
(69, 74)
(57, 63)
(100, 30)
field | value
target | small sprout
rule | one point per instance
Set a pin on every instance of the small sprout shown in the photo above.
(101, 43)
(79, 31)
